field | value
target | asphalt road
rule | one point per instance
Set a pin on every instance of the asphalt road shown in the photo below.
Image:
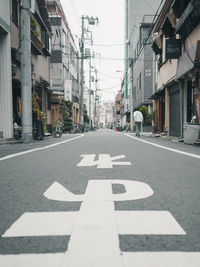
(104, 198)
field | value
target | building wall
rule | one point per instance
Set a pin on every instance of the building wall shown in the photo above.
(148, 74)
(41, 67)
(6, 123)
(167, 72)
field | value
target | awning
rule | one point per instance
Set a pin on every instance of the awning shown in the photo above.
(188, 60)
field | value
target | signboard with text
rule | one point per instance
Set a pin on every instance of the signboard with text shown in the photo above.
(173, 48)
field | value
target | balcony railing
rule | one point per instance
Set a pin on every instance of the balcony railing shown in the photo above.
(189, 19)
(36, 44)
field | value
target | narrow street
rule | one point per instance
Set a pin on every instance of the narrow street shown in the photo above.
(100, 199)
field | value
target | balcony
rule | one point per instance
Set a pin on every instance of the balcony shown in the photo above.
(36, 44)
(189, 19)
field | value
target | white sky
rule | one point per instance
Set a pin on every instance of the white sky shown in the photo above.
(108, 38)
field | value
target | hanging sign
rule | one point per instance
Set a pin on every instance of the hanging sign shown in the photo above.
(173, 48)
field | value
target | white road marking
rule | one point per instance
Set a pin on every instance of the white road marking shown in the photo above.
(58, 192)
(42, 224)
(148, 223)
(161, 259)
(102, 191)
(164, 147)
(94, 237)
(94, 241)
(39, 148)
(105, 161)
(130, 259)
(32, 260)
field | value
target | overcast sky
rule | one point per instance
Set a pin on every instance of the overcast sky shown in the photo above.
(108, 38)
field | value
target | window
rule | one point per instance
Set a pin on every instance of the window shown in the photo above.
(15, 11)
(46, 41)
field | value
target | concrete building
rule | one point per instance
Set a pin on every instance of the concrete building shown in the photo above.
(88, 101)
(109, 114)
(6, 109)
(117, 110)
(176, 45)
(64, 62)
(141, 67)
(134, 12)
(40, 65)
(10, 82)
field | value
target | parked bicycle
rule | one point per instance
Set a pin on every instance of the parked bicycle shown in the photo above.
(58, 131)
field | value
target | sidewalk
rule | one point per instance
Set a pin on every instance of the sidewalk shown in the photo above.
(170, 142)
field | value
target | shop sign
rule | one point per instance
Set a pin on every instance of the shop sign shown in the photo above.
(173, 48)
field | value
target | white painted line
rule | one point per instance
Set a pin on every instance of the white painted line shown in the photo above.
(32, 260)
(58, 192)
(87, 160)
(164, 147)
(122, 163)
(42, 224)
(130, 259)
(102, 191)
(94, 241)
(161, 259)
(39, 148)
(148, 223)
(105, 161)
(118, 157)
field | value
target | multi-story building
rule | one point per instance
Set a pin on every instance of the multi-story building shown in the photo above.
(109, 114)
(11, 54)
(64, 62)
(134, 12)
(176, 45)
(40, 60)
(6, 116)
(141, 67)
(117, 110)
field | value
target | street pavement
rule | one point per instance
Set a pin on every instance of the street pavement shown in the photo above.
(98, 199)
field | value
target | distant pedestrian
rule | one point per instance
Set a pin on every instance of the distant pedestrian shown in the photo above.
(138, 119)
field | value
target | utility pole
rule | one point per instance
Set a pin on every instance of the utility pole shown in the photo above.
(91, 21)
(131, 93)
(96, 99)
(90, 109)
(82, 71)
(26, 84)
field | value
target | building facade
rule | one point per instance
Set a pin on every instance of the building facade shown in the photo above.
(64, 63)
(10, 49)
(141, 67)
(176, 46)
(134, 12)
(6, 109)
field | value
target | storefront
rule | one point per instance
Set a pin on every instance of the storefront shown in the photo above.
(188, 69)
